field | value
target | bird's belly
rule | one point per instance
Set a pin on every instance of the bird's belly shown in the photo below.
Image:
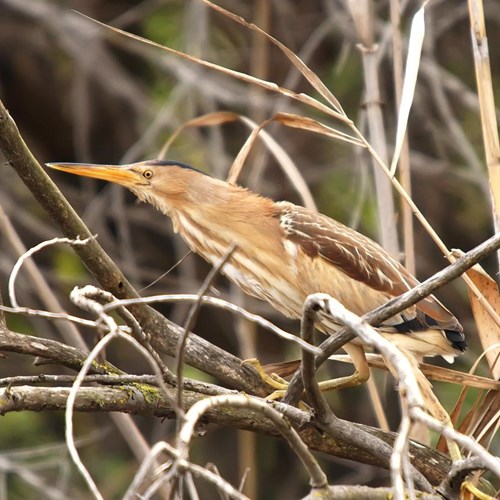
(271, 287)
(264, 279)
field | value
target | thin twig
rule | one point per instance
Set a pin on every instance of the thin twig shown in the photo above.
(89, 298)
(323, 412)
(222, 304)
(468, 443)
(191, 320)
(318, 479)
(29, 253)
(51, 315)
(450, 486)
(182, 465)
(399, 457)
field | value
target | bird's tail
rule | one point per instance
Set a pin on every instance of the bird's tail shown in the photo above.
(431, 402)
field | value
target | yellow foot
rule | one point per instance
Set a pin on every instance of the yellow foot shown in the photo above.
(279, 394)
(275, 381)
(468, 486)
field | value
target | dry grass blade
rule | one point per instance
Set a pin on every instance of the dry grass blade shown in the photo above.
(483, 419)
(474, 422)
(311, 77)
(487, 418)
(290, 120)
(412, 65)
(287, 164)
(486, 103)
(270, 86)
(243, 153)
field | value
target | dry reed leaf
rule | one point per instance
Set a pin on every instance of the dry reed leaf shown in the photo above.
(287, 164)
(311, 77)
(484, 413)
(290, 120)
(305, 123)
(415, 43)
(270, 86)
(375, 361)
(208, 120)
(284, 160)
(455, 415)
(487, 326)
(483, 419)
(486, 419)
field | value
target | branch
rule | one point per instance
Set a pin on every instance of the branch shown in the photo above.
(52, 350)
(366, 493)
(322, 303)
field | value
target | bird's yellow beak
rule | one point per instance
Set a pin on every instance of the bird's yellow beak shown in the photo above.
(120, 174)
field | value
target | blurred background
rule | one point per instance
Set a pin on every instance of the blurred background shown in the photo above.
(79, 93)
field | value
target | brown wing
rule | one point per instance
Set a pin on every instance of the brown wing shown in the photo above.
(360, 258)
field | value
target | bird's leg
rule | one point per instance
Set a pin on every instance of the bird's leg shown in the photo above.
(361, 370)
(360, 375)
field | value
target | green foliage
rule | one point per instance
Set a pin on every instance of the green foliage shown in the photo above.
(26, 429)
(67, 265)
(165, 26)
(339, 195)
(344, 81)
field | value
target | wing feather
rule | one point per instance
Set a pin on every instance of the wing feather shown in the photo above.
(363, 260)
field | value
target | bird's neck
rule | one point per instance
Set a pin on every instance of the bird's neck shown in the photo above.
(212, 215)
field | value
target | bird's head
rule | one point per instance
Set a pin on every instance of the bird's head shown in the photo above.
(158, 182)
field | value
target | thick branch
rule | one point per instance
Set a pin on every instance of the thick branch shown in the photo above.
(352, 492)
(50, 350)
(164, 334)
(146, 400)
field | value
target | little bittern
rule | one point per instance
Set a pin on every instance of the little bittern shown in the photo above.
(285, 252)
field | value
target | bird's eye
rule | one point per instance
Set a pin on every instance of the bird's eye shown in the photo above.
(147, 174)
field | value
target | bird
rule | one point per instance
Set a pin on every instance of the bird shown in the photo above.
(284, 252)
